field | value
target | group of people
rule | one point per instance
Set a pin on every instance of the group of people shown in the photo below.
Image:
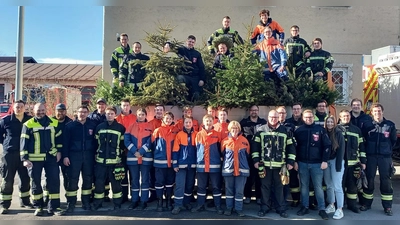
(164, 156)
(277, 54)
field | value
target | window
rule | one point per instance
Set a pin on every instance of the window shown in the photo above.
(342, 78)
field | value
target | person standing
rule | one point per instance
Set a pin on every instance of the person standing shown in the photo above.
(320, 61)
(226, 31)
(333, 174)
(40, 148)
(195, 76)
(79, 154)
(131, 71)
(380, 139)
(126, 118)
(139, 158)
(320, 114)
(208, 142)
(235, 151)
(249, 126)
(119, 57)
(272, 150)
(298, 51)
(184, 163)
(187, 112)
(355, 158)
(162, 142)
(312, 155)
(10, 137)
(266, 21)
(110, 137)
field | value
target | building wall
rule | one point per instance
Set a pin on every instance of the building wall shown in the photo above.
(347, 33)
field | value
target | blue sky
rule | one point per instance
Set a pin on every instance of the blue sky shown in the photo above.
(55, 34)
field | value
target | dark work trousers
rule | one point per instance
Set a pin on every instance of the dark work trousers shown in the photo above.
(294, 185)
(251, 180)
(192, 83)
(234, 186)
(80, 162)
(65, 181)
(125, 181)
(152, 183)
(51, 168)
(10, 164)
(272, 180)
(350, 184)
(101, 173)
(384, 167)
(140, 173)
(165, 178)
(202, 179)
(185, 179)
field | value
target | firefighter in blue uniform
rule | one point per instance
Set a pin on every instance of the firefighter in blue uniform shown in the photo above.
(78, 156)
(380, 137)
(10, 136)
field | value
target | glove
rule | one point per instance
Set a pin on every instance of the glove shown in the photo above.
(261, 172)
(357, 172)
(284, 173)
(119, 172)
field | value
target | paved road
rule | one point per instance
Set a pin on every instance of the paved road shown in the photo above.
(106, 213)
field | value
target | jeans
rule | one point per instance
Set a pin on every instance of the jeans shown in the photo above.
(314, 170)
(333, 181)
(234, 187)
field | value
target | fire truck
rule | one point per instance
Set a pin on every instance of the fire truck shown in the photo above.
(382, 84)
(51, 95)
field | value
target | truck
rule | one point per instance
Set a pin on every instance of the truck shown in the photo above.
(382, 84)
(50, 95)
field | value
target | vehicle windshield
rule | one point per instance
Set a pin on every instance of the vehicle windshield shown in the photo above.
(4, 108)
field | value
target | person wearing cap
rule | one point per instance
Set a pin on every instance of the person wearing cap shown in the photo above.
(10, 137)
(126, 118)
(99, 114)
(110, 137)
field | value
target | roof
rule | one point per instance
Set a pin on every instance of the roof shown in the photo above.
(55, 73)
(27, 59)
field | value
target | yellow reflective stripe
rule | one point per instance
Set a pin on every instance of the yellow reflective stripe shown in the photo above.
(23, 152)
(58, 134)
(273, 164)
(255, 154)
(24, 194)
(33, 159)
(311, 193)
(289, 141)
(87, 192)
(107, 187)
(316, 57)
(59, 146)
(37, 143)
(351, 196)
(71, 193)
(324, 188)
(363, 154)
(108, 161)
(117, 195)
(257, 139)
(295, 190)
(37, 197)
(98, 196)
(45, 193)
(5, 197)
(368, 196)
(292, 156)
(387, 197)
(352, 162)
(54, 196)
(327, 69)
(360, 140)
(25, 136)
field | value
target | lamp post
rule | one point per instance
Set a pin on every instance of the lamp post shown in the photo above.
(20, 55)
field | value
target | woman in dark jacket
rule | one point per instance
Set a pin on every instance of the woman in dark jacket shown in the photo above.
(333, 174)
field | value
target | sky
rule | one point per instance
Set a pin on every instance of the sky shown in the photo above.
(55, 34)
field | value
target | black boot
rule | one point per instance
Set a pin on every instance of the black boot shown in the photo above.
(159, 205)
(169, 202)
